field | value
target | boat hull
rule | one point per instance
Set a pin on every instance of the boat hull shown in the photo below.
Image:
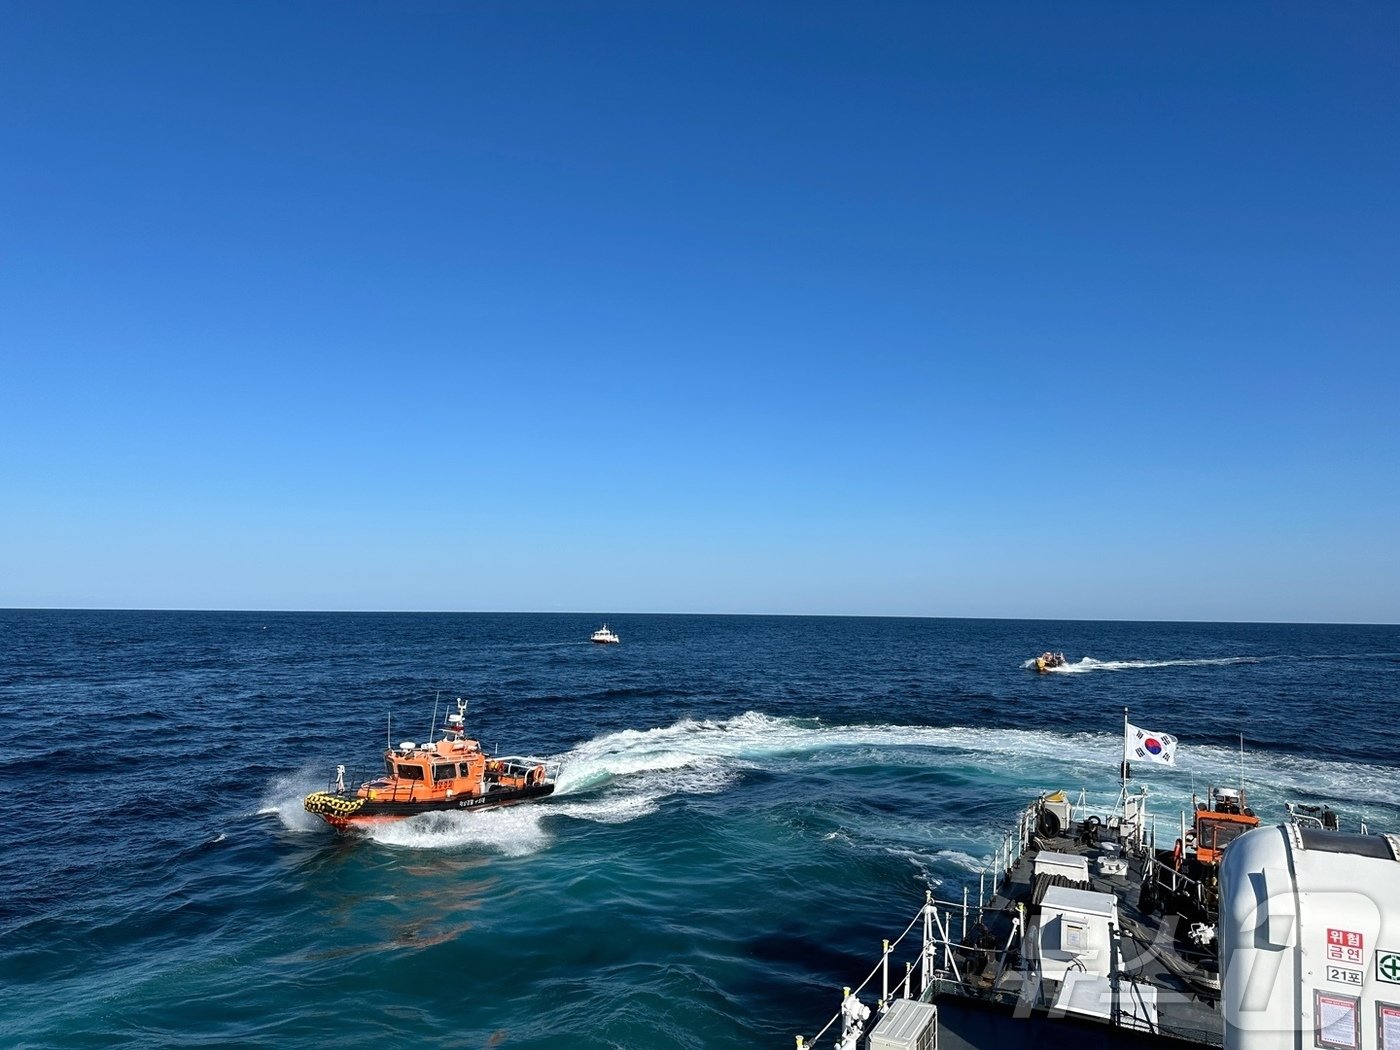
(346, 811)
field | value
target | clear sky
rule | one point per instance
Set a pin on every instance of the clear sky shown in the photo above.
(1044, 309)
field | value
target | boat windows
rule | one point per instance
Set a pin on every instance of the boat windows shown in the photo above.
(1217, 834)
(466, 769)
(389, 766)
(446, 771)
(410, 772)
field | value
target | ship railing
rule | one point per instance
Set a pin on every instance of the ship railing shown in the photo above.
(936, 920)
(519, 765)
(1178, 882)
(1013, 845)
(966, 971)
(345, 781)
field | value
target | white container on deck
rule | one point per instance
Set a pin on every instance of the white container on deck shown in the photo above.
(1071, 932)
(907, 1025)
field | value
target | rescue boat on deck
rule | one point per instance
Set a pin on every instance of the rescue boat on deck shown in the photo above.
(449, 775)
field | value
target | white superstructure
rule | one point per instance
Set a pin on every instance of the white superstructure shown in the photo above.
(1310, 940)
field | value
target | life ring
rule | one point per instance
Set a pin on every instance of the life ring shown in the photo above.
(533, 777)
(1177, 852)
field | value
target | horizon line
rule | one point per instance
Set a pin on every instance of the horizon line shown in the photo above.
(768, 615)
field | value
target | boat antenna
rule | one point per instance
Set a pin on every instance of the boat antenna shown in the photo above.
(1241, 769)
(432, 727)
(389, 732)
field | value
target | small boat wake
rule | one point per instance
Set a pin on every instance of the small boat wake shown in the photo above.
(1088, 664)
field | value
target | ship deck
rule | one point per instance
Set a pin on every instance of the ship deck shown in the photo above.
(1155, 948)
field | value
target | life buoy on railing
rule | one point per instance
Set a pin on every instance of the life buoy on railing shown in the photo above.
(1177, 852)
(533, 777)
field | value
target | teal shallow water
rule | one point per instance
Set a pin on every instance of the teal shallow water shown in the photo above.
(747, 806)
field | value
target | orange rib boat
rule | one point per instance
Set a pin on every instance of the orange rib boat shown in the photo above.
(448, 775)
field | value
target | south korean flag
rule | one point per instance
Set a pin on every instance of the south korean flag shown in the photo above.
(1141, 745)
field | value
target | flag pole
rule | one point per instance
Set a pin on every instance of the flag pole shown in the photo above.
(1123, 762)
(1122, 806)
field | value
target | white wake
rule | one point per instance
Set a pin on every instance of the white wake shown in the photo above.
(1088, 663)
(627, 775)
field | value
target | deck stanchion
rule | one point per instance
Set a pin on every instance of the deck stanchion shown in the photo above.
(908, 976)
(964, 925)
(926, 956)
(885, 972)
(946, 929)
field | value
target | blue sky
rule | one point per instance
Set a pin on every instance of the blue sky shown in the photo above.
(1034, 309)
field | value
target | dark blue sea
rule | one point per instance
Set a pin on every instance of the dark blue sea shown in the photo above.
(747, 806)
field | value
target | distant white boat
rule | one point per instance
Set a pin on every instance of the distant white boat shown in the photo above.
(603, 636)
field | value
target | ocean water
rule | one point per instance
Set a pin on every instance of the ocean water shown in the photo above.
(747, 806)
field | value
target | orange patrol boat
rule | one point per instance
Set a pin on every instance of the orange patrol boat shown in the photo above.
(1188, 874)
(450, 775)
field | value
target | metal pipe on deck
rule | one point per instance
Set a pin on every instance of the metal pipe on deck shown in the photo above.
(949, 962)
(1115, 1008)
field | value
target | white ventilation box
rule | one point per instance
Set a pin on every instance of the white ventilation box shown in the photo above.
(1070, 865)
(907, 1025)
(1072, 932)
